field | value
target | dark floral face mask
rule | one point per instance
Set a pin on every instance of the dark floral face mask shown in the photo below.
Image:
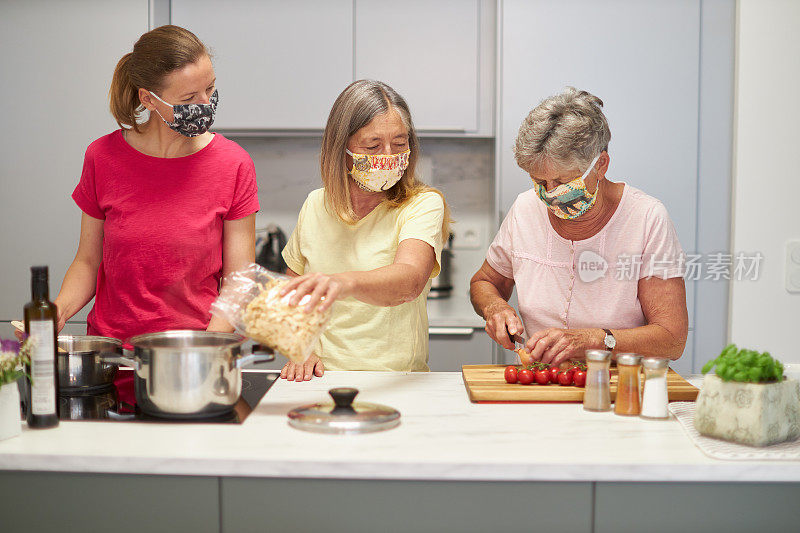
(191, 120)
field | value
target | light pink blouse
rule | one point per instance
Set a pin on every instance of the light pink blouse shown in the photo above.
(589, 283)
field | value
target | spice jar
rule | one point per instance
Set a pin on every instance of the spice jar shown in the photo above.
(597, 396)
(628, 400)
(655, 397)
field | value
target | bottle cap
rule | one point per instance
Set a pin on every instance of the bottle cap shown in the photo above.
(39, 272)
(598, 355)
(628, 359)
(655, 363)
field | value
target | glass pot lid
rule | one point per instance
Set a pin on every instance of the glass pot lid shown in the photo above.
(344, 416)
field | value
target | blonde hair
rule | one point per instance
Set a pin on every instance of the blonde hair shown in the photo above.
(353, 109)
(156, 54)
(566, 130)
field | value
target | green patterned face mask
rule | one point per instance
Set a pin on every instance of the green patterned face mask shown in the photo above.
(569, 200)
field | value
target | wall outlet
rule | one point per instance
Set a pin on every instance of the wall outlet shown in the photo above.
(468, 236)
(793, 266)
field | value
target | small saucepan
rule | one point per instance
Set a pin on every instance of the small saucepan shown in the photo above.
(80, 365)
(186, 373)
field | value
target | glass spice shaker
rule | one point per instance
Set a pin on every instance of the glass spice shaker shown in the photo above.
(597, 396)
(628, 400)
(655, 398)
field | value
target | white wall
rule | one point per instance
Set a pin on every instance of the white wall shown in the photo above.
(765, 212)
(56, 66)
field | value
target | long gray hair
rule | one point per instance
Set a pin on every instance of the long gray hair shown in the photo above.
(354, 108)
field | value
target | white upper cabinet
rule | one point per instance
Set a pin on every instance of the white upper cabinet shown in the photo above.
(279, 65)
(427, 50)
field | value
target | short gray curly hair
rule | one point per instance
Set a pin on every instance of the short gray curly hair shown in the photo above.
(566, 130)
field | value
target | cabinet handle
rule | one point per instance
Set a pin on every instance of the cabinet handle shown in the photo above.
(450, 331)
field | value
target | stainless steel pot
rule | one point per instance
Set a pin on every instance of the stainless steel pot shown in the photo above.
(188, 374)
(80, 365)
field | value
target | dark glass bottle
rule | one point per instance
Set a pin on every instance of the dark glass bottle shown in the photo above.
(40, 323)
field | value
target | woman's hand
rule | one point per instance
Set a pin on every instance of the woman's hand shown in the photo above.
(502, 321)
(303, 372)
(555, 345)
(322, 290)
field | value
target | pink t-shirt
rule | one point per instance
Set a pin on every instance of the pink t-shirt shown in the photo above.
(162, 231)
(589, 283)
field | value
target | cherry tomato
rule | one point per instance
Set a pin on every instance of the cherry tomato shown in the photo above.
(580, 378)
(511, 374)
(542, 377)
(571, 371)
(525, 377)
(565, 378)
(554, 371)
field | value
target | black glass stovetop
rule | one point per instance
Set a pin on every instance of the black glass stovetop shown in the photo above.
(114, 404)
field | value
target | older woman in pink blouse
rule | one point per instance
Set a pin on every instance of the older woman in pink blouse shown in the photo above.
(596, 263)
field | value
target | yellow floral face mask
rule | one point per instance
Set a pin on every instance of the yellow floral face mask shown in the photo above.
(569, 200)
(378, 172)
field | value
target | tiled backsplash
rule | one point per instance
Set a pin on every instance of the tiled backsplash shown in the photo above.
(463, 169)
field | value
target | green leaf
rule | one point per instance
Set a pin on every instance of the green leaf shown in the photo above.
(731, 348)
(708, 366)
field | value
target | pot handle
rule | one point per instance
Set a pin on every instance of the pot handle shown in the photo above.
(113, 357)
(113, 415)
(264, 355)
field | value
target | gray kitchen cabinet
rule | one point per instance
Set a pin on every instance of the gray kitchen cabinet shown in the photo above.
(437, 54)
(57, 65)
(61, 501)
(346, 505)
(279, 65)
(450, 348)
(643, 59)
(670, 507)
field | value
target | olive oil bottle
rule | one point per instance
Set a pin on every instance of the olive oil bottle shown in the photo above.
(40, 323)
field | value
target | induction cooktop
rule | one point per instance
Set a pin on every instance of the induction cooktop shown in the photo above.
(116, 403)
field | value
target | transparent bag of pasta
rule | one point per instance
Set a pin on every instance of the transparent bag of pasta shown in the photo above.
(250, 301)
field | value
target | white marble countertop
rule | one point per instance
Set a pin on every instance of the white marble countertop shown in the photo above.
(442, 437)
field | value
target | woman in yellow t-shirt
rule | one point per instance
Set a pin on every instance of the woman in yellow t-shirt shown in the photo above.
(369, 242)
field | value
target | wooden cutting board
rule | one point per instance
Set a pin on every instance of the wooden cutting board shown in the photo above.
(486, 383)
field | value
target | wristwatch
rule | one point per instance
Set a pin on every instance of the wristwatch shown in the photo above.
(609, 339)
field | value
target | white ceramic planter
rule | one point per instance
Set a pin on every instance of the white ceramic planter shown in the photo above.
(10, 422)
(757, 414)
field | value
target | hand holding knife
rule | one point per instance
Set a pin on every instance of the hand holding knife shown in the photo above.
(519, 344)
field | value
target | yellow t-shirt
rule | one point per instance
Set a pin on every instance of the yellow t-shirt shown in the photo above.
(362, 336)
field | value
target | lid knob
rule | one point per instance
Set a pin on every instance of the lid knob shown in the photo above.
(343, 397)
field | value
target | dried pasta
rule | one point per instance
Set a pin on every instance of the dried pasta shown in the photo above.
(290, 330)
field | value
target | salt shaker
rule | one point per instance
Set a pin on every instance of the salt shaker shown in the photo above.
(627, 402)
(597, 396)
(655, 397)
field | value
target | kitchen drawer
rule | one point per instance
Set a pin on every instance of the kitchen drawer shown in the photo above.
(450, 348)
(60, 502)
(671, 507)
(334, 505)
